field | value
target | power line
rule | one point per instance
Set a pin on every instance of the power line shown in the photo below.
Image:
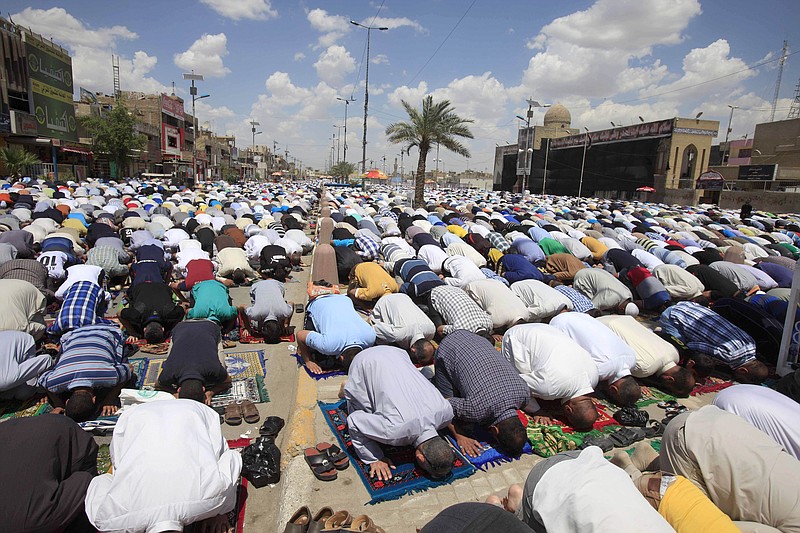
(442, 43)
(751, 67)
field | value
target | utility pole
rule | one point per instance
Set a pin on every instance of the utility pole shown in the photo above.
(546, 153)
(726, 154)
(193, 92)
(366, 92)
(253, 124)
(583, 161)
(346, 105)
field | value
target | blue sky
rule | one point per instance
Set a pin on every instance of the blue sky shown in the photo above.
(284, 63)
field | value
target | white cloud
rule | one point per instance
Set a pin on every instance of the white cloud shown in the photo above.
(243, 9)
(332, 27)
(701, 65)
(602, 51)
(207, 112)
(334, 65)
(380, 59)
(632, 26)
(91, 48)
(394, 23)
(205, 56)
(299, 56)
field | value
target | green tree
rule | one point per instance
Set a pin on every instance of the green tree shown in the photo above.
(113, 134)
(17, 160)
(436, 123)
(342, 169)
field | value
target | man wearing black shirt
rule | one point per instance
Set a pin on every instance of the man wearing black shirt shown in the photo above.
(195, 366)
(151, 312)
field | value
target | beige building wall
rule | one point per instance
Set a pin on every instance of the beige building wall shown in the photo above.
(687, 151)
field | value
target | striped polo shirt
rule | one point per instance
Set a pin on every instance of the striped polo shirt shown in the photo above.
(91, 356)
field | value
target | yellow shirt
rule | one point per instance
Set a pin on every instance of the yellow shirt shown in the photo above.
(597, 248)
(688, 510)
(373, 282)
(457, 230)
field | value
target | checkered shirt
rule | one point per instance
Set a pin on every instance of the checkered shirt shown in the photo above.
(498, 241)
(367, 248)
(480, 384)
(106, 257)
(459, 311)
(707, 332)
(84, 305)
(492, 275)
(580, 303)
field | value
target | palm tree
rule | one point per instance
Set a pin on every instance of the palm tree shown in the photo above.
(17, 160)
(437, 123)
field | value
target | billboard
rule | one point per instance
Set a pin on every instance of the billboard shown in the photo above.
(171, 140)
(172, 107)
(660, 128)
(758, 172)
(50, 71)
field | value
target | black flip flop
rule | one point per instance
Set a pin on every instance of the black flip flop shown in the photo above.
(601, 441)
(622, 438)
(320, 465)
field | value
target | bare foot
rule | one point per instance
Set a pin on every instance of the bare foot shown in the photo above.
(42, 400)
(494, 500)
(514, 499)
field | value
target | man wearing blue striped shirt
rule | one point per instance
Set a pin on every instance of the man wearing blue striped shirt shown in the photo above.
(90, 366)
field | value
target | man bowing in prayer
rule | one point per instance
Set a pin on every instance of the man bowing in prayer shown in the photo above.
(391, 402)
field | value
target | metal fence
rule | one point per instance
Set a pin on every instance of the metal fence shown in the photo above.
(65, 171)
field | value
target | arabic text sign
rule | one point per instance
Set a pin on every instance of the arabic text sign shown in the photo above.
(172, 107)
(51, 85)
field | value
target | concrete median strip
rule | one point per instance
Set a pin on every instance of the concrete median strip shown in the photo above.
(300, 432)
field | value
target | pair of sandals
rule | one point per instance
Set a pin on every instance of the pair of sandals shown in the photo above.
(671, 409)
(325, 460)
(326, 521)
(241, 410)
(624, 437)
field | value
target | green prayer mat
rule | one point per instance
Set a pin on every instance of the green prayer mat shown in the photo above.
(104, 459)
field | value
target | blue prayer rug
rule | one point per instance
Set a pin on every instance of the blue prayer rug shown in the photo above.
(407, 479)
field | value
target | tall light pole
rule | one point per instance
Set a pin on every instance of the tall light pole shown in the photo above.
(544, 176)
(366, 93)
(583, 161)
(727, 151)
(193, 91)
(253, 124)
(402, 177)
(346, 105)
(338, 143)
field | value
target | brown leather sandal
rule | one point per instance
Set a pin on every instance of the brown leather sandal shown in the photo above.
(233, 414)
(318, 522)
(339, 520)
(299, 521)
(250, 412)
(363, 523)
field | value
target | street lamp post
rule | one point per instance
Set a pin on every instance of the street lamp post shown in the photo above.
(253, 124)
(546, 153)
(338, 143)
(583, 161)
(366, 92)
(193, 92)
(727, 153)
(346, 105)
(402, 177)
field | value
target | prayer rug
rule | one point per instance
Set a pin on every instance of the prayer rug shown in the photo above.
(252, 389)
(139, 365)
(236, 516)
(547, 441)
(711, 384)
(407, 477)
(651, 395)
(153, 371)
(324, 375)
(23, 409)
(104, 459)
(491, 455)
(247, 337)
(245, 364)
(161, 348)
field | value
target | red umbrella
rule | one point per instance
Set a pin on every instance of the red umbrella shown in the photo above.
(645, 189)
